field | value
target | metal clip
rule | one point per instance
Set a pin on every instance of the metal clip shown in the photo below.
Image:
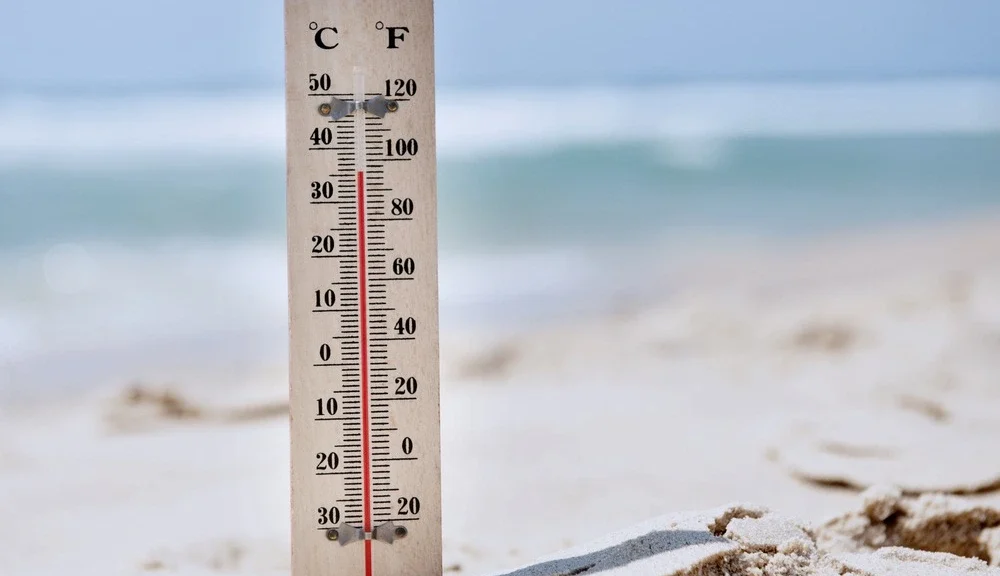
(376, 105)
(345, 533)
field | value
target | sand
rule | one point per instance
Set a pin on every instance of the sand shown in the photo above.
(793, 377)
(888, 534)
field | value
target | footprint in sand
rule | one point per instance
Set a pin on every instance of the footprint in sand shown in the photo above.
(142, 408)
(914, 450)
(494, 363)
(830, 337)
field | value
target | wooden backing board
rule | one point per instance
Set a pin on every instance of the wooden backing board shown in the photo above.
(364, 369)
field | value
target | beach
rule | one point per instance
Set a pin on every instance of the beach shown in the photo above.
(787, 375)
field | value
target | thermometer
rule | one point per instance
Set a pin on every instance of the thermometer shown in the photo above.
(363, 300)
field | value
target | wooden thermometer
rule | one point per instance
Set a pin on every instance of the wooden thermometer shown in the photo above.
(363, 299)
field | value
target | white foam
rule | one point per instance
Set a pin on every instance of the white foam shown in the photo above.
(708, 113)
(472, 122)
(59, 129)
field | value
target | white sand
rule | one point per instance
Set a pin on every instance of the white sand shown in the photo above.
(740, 540)
(792, 378)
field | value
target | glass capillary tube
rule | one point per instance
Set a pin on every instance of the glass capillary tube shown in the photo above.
(359, 119)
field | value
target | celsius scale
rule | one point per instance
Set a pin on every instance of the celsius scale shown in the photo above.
(363, 300)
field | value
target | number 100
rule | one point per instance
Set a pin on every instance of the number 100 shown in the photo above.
(401, 147)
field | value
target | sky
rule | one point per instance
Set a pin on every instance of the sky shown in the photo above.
(157, 44)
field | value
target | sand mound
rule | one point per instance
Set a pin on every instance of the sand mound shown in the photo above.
(890, 535)
(930, 522)
(904, 561)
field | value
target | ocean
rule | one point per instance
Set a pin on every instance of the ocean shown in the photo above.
(142, 230)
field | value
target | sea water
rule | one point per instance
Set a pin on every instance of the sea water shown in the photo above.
(148, 229)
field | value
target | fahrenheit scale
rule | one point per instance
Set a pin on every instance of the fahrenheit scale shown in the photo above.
(362, 257)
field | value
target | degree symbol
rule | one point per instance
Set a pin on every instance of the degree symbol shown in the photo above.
(313, 26)
(379, 25)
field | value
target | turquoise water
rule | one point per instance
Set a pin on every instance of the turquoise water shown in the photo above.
(159, 236)
(778, 186)
(573, 195)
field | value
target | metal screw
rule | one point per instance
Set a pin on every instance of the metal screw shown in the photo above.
(332, 534)
(400, 532)
(324, 109)
(391, 105)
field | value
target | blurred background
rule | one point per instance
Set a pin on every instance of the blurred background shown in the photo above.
(141, 157)
(621, 183)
